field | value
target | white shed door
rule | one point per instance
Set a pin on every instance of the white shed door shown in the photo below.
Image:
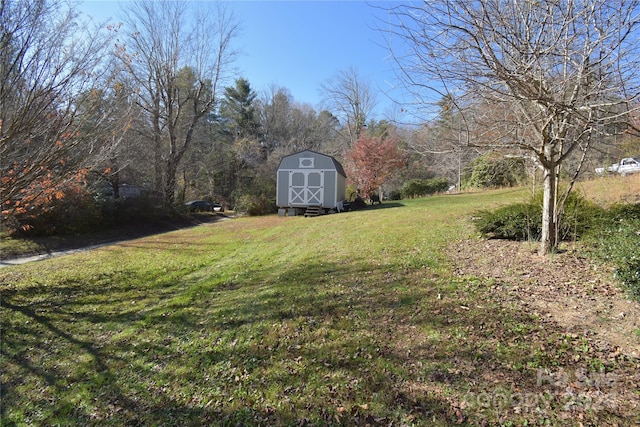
(306, 187)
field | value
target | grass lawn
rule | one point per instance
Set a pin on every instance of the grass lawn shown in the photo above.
(348, 319)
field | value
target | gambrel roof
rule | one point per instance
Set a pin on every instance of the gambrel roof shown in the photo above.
(334, 163)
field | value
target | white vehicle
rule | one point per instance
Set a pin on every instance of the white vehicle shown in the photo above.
(626, 166)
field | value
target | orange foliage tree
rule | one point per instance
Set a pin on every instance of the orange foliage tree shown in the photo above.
(51, 114)
(47, 203)
(372, 160)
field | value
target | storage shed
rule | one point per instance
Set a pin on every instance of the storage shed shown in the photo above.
(310, 183)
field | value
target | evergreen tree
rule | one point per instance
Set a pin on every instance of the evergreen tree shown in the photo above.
(238, 110)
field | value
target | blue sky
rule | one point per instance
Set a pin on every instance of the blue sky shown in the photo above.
(299, 45)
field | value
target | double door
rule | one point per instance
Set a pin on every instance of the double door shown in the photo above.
(306, 188)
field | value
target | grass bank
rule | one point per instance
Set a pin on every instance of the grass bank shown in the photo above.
(348, 319)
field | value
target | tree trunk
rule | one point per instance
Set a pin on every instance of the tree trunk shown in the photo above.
(157, 143)
(170, 183)
(548, 238)
(115, 185)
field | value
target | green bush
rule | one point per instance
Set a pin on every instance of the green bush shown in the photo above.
(423, 187)
(617, 240)
(255, 205)
(519, 221)
(580, 215)
(395, 195)
(492, 171)
(523, 221)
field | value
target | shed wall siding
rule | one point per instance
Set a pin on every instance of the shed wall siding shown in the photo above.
(294, 192)
(282, 188)
(330, 189)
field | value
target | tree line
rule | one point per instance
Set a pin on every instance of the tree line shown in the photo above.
(151, 107)
(151, 104)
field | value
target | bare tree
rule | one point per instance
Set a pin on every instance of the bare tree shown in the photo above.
(563, 69)
(178, 61)
(351, 98)
(289, 126)
(114, 138)
(274, 108)
(442, 143)
(50, 64)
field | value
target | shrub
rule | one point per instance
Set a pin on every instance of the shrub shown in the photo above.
(395, 195)
(255, 205)
(523, 221)
(71, 210)
(351, 192)
(520, 221)
(580, 215)
(423, 187)
(492, 171)
(617, 240)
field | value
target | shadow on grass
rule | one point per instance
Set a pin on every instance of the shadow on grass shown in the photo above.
(27, 246)
(384, 205)
(322, 343)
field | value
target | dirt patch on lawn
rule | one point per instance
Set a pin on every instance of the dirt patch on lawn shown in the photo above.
(576, 293)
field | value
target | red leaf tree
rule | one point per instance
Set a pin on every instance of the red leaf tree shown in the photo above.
(48, 204)
(371, 160)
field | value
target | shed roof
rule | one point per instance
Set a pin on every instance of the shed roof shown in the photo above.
(336, 164)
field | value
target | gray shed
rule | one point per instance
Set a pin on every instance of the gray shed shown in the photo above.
(310, 183)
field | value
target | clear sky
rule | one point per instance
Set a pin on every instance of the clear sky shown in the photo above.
(299, 45)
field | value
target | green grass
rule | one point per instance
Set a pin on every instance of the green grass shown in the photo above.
(348, 319)
(11, 248)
